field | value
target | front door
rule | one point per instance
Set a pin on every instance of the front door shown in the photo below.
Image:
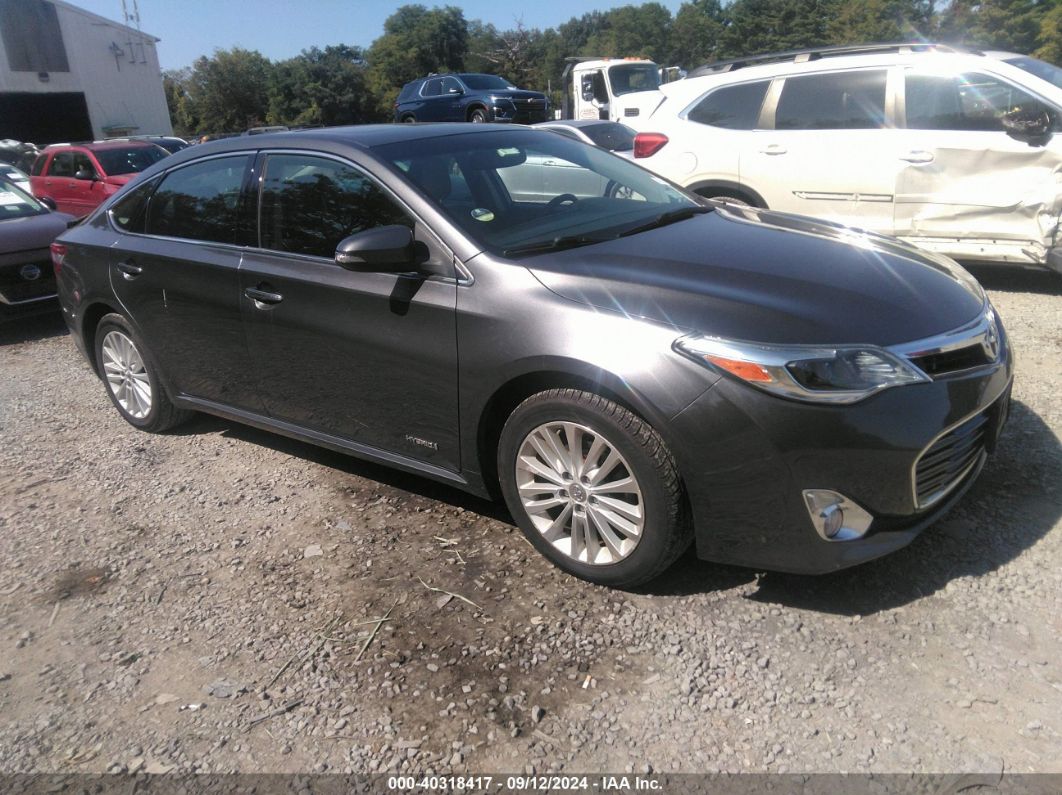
(827, 148)
(966, 179)
(365, 357)
(178, 278)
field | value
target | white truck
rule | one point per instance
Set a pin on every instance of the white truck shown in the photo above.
(626, 90)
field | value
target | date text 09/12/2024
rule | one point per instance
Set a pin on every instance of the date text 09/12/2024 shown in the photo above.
(523, 783)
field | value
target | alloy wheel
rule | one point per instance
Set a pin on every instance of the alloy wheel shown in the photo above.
(127, 377)
(580, 493)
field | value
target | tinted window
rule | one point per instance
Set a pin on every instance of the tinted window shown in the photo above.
(633, 77)
(1045, 71)
(732, 107)
(38, 165)
(129, 161)
(309, 204)
(839, 101)
(62, 165)
(129, 212)
(612, 136)
(199, 202)
(962, 102)
(486, 82)
(432, 88)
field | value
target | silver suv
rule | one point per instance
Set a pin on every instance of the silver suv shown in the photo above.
(955, 151)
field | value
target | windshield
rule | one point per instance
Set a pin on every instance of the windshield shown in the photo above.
(628, 78)
(129, 161)
(613, 136)
(16, 203)
(1045, 71)
(518, 191)
(486, 82)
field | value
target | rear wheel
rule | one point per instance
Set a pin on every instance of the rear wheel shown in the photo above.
(408, 118)
(593, 487)
(131, 377)
(478, 116)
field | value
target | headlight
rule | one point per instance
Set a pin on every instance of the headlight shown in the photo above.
(814, 374)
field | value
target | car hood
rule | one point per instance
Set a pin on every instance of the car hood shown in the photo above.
(768, 277)
(32, 232)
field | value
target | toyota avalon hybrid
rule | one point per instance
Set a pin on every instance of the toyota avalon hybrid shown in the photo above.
(631, 368)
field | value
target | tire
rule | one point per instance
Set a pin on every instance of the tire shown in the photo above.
(568, 520)
(130, 376)
(729, 198)
(409, 118)
(478, 116)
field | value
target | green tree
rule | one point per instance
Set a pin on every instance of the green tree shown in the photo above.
(1049, 41)
(173, 86)
(999, 24)
(634, 31)
(860, 21)
(758, 26)
(416, 41)
(228, 92)
(695, 32)
(325, 87)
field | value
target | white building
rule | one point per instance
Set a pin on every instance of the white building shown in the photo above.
(67, 74)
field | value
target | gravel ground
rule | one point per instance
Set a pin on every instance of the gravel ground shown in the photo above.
(206, 601)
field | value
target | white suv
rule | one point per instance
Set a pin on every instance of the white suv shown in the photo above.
(958, 152)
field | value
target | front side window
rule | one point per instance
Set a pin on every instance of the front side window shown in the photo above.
(83, 163)
(450, 85)
(200, 201)
(836, 101)
(309, 204)
(130, 212)
(731, 107)
(62, 165)
(970, 101)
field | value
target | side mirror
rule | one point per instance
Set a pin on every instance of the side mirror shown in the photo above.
(48, 202)
(456, 91)
(386, 249)
(1027, 121)
(86, 174)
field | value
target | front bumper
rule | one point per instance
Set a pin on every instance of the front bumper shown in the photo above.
(758, 453)
(27, 284)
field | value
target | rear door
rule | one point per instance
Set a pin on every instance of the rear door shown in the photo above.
(828, 148)
(965, 177)
(364, 357)
(176, 273)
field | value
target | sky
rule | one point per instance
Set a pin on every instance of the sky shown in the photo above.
(282, 28)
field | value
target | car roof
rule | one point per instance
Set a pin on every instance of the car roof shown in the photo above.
(102, 145)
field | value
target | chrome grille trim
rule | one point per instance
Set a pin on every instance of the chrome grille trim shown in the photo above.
(983, 332)
(946, 461)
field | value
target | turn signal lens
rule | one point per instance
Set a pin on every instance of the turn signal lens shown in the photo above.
(747, 371)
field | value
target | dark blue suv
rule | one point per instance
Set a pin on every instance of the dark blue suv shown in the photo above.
(469, 97)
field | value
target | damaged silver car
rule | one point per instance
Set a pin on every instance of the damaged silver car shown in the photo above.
(958, 152)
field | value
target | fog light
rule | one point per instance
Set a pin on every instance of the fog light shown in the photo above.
(835, 517)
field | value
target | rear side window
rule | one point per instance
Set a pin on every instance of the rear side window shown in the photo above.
(309, 204)
(731, 107)
(199, 202)
(969, 101)
(838, 101)
(432, 88)
(613, 137)
(62, 165)
(38, 165)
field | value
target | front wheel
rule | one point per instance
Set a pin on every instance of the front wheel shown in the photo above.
(131, 377)
(593, 487)
(478, 116)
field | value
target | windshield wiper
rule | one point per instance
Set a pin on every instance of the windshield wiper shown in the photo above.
(556, 244)
(670, 217)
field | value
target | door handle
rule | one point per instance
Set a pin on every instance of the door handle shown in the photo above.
(260, 296)
(918, 156)
(129, 270)
(774, 149)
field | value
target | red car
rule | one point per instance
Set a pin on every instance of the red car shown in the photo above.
(75, 178)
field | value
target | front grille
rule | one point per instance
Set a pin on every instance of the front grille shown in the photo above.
(945, 462)
(953, 361)
(14, 289)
